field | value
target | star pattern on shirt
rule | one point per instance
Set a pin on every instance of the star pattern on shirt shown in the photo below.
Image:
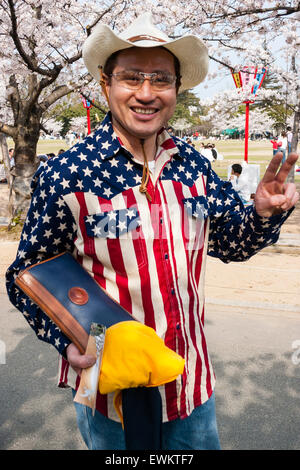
(101, 166)
(112, 224)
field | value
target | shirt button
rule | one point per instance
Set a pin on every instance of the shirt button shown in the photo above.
(166, 256)
(172, 291)
(177, 326)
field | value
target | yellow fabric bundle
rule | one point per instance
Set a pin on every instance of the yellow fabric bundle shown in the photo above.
(134, 356)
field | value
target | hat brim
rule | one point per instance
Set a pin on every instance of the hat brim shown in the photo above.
(189, 50)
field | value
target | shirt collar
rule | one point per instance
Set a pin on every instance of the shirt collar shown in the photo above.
(109, 144)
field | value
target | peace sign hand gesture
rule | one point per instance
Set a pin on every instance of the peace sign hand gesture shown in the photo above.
(273, 195)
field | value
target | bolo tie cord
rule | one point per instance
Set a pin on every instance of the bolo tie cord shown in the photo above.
(146, 173)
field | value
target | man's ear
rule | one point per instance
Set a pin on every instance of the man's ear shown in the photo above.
(104, 79)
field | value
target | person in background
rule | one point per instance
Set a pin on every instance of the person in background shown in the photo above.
(190, 142)
(2, 173)
(284, 145)
(275, 143)
(289, 138)
(214, 151)
(11, 158)
(240, 182)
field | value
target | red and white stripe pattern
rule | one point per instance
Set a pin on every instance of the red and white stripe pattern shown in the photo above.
(156, 273)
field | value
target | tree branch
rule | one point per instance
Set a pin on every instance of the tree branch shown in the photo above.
(8, 130)
(221, 62)
(15, 37)
(91, 26)
(56, 94)
(281, 11)
(14, 96)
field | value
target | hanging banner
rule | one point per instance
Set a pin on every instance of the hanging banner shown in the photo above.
(259, 78)
(248, 75)
(237, 79)
(249, 79)
(86, 104)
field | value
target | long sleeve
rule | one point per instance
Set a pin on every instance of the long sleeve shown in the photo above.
(237, 232)
(49, 229)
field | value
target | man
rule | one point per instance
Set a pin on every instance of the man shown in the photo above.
(2, 173)
(283, 146)
(289, 134)
(11, 158)
(240, 182)
(142, 232)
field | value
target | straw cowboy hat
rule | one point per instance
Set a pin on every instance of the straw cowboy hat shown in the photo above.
(189, 50)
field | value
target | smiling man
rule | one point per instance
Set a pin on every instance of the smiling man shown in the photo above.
(140, 209)
(141, 104)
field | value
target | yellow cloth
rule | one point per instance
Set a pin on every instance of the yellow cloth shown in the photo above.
(134, 356)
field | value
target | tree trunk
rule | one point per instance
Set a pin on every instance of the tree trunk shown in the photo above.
(291, 175)
(26, 164)
(5, 157)
(296, 129)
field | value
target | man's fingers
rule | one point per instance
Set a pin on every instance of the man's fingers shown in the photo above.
(291, 195)
(272, 169)
(271, 172)
(277, 200)
(295, 198)
(78, 360)
(286, 167)
(83, 361)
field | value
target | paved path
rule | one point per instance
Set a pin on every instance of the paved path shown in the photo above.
(257, 392)
(251, 347)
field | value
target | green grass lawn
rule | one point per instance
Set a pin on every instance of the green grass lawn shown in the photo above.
(259, 152)
(51, 146)
(46, 146)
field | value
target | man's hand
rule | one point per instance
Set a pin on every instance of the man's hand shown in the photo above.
(77, 360)
(273, 196)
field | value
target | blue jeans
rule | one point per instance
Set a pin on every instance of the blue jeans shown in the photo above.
(283, 154)
(196, 432)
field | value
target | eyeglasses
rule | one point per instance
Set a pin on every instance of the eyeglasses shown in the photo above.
(132, 80)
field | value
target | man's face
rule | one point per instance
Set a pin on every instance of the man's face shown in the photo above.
(141, 113)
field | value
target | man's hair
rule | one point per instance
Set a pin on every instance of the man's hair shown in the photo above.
(237, 168)
(112, 62)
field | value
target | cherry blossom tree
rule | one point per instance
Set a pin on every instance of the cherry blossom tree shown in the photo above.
(78, 125)
(52, 126)
(40, 63)
(260, 122)
(40, 58)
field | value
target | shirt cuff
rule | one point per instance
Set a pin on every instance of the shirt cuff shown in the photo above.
(269, 223)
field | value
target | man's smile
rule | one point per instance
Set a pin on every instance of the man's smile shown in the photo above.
(144, 110)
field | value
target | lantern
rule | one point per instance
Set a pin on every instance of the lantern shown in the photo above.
(249, 79)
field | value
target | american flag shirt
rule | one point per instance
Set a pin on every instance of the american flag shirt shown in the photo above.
(148, 255)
